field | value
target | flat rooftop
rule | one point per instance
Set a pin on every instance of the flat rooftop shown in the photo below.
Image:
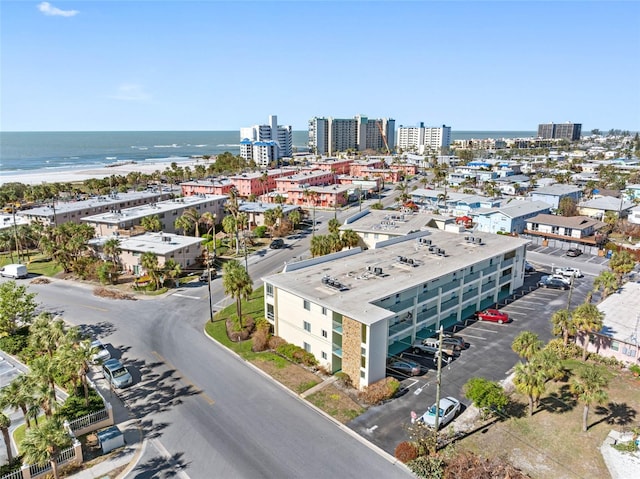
(159, 243)
(622, 314)
(142, 211)
(387, 222)
(361, 287)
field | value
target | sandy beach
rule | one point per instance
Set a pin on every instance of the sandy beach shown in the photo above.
(65, 176)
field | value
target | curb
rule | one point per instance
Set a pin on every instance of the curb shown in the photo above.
(381, 452)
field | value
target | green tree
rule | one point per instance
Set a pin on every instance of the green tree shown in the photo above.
(606, 282)
(44, 444)
(151, 223)
(335, 242)
(16, 306)
(67, 244)
(112, 249)
(567, 207)
(563, 325)
(529, 380)
(18, 395)
(5, 424)
(183, 223)
(295, 217)
(526, 345)
(334, 226)
(320, 245)
(44, 371)
(589, 385)
(237, 283)
(587, 319)
(46, 334)
(350, 238)
(486, 395)
(229, 226)
(149, 261)
(621, 263)
(171, 269)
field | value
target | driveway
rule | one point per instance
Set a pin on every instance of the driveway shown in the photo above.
(489, 355)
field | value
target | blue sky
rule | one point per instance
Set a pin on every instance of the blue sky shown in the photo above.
(212, 65)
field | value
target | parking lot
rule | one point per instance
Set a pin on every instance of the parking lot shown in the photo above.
(488, 355)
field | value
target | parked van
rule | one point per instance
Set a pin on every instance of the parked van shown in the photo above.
(15, 271)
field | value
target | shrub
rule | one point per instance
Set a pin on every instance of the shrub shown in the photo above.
(405, 452)
(427, 467)
(75, 406)
(570, 351)
(13, 466)
(344, 379)
(15, 342)
(381, 391)
(635, 369)
(629, 446)
(275, 342)
(260, 231)
(296, 354)
(612, 362)
(261, 336)
(485, 394)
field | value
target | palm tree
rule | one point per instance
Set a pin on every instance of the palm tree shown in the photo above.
(526, 345)
(151, 223)
(44, 443)
(237, 283)
(193, 217)
(112, 249)
(350, 238)
(607, 282)
(5, 424)
(46, 334)
(529, 380)
(587, 319)
(44, 371)
(563, 325)
(320, 245)
(335, 242)
(229, 227)
(149, 261)
(18, 395)
(590, 387)
(334, 226)
(183, 223)
(295, 218)
(171, 269)
(621, 263)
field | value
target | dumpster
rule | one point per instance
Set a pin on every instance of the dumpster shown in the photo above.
(110, 439)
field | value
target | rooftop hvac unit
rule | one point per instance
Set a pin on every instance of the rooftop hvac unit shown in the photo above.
(479, 240)
(428, 241)
(377, 271)
(432, 249)
(325, 280)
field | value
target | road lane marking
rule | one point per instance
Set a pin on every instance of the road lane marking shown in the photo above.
(186, 296)
(183, 379)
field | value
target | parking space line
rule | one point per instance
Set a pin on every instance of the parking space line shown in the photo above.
(521, 307)
(485, 330)
(474, 337)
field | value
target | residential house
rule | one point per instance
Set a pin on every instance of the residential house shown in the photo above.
(510, 218)
(599, 207)
(255, 211)
(578, 229)
(553, 194)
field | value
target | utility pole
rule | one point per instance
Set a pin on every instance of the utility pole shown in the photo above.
(438, 380)
(209, 287)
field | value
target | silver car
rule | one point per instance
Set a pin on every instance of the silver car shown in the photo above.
(117, 375)
(448, 409)
(99, 352)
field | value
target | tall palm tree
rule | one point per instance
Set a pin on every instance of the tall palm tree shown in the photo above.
(607, 282)
(193, 216)
(587, 319)
(237, 283)
(590, 386)
(526, 345)
(44, 444)
(334, 226)
(44, 371)
(18, 395)
(563, 325)
(183, 223)
(209, 220)
(171, 269)
(621, 263)
(46, 334)
(320, 245)
(350, 238)
(149, 261)
(151, 223)
(5, 424)
(335, 242)
(295, 218)
(230, 227)
(112, 249)
(529, 380)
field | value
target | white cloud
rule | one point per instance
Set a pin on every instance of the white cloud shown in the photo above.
(131, 92)
(48, 9)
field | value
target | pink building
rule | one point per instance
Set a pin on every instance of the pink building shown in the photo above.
(330, 196)
(257, 183)
(357, 167)
(220, 186)
(306, 179)
(405, 168)
(339, 166)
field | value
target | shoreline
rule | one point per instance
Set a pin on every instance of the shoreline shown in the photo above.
(45, 176)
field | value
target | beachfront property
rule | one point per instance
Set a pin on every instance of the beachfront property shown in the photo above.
(328, 136)
(354, 309)
(266, 143)
(305, 179)
(567, 131)
(126, 222)
(59, 212)
(184, 250)
(619, 337)
(421, 139)
(510, 218)
(553, 194)
(258, 183)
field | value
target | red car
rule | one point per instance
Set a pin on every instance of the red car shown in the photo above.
(493, 315)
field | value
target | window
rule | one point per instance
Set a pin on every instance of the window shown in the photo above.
(363, 332)
(510, 254)
(270, 314)
(324, 355)
(307, 347)
(362, 374)
(615, 346)
(307, 305)
(324, 333)
(307, 326)
(363, 362)
(269, 290)
(324, 311)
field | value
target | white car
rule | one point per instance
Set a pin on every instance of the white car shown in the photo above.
(449, 407)
(575, 272)
(100, 353)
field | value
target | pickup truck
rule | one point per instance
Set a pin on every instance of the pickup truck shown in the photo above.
(430, 346)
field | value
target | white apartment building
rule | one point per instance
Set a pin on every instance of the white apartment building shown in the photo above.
(423, 139)
(328, 136)
(281, 136)
(354, 309)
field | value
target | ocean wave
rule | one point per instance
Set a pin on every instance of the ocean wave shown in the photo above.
(230, 144)
(173, 145)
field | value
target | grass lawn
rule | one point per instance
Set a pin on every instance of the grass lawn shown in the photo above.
(298, 379)
(551, 443)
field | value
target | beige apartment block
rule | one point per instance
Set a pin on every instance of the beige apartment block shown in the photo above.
(354, 309)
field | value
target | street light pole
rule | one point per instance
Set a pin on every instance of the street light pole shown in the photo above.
(209, 288)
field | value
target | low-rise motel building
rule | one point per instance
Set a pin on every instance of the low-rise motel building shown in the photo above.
(124, 222)
(354, 309)
(59, 212)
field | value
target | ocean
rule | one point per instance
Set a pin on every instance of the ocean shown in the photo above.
(61, 151)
